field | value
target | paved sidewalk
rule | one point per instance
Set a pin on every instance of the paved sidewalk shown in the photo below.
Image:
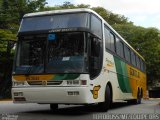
(5, 100)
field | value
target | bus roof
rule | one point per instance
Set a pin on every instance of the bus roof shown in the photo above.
(60, 11)
(76, 11)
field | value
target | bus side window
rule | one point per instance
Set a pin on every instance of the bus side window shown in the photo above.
(127, 53)
(133, 58)
(144, 67)
(95, 56)
(119, 47)
(137, 62)
(112, 44)
(109, 40)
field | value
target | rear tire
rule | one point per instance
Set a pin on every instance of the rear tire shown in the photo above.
(104, 106)
(53, 107)
(141, 93)
(138, 100)
(139, 97)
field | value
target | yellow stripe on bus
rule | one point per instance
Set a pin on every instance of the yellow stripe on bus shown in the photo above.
(32, 77)
(137, 80)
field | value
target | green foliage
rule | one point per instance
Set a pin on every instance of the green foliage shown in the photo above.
(7, 35)
(110, 17)
(12, 11)
(66, 5)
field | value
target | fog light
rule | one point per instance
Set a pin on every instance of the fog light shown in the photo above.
(83, 82)
(18, 83)
(76, 82)
(18, 93)
(73, 82)
(19, 99)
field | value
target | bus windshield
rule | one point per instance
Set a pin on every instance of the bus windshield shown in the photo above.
(55, 22)
(51, 53)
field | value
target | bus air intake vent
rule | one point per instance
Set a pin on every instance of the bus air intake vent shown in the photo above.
(45, 82)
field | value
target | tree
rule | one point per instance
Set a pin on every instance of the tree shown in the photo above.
(66, 5)
(11, 13)
(110, 17)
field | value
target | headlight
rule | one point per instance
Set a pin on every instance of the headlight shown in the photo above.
(76, 82)
(18, 83)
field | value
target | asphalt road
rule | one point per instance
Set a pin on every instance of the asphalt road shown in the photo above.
(10, 111)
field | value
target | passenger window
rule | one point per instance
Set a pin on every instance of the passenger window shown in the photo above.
(144, 67)
(112, 42)
(127, 53)
(133, 58)
(137, 61)
(119, 47)
(107, 38)
(141, 63)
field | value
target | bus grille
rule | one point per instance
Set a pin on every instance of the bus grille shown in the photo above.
(45, 82)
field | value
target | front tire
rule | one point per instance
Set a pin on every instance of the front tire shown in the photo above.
(104, 106)
(53, 107)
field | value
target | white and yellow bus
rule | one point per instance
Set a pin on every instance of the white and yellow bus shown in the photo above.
(75, 57)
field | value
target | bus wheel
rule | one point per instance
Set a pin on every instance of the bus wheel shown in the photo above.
(104, 106)
(53, 107)
(141, 93)
(138, 100)
(139, 97)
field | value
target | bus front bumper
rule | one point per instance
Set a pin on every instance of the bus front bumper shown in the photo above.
(59, 95)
